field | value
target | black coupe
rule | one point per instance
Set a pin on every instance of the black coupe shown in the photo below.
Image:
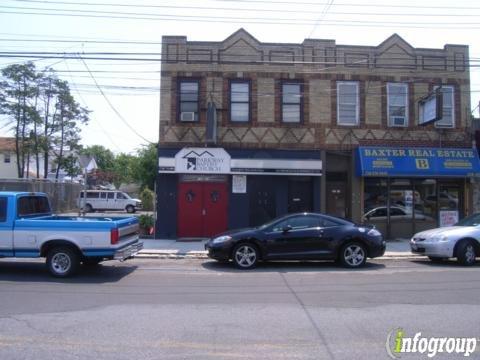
(301, 236)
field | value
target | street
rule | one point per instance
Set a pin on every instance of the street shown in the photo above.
(200, 309)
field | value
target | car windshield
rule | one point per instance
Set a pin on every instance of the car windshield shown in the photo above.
(472, 220)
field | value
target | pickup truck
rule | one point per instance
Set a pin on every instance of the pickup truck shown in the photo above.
(29, 229)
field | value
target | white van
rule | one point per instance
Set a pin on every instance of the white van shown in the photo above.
(107, 200)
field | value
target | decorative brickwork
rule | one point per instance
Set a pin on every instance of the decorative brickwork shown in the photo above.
(317, 65)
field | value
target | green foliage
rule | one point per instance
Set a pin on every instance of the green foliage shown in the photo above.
(70, 165)
(104, 157)
(147, 196)
(146, 221)
(123, 169)
(145, 167)
(43, 114)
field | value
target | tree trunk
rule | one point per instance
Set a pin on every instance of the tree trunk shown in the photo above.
(36, 148)
(60, 155)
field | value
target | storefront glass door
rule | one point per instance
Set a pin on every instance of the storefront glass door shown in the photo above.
(400, 207)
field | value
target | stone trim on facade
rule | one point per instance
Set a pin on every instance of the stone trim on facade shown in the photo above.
(318, 65)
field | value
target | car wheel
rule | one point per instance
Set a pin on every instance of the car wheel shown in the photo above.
(353, 255)
(130, 209)
(62, 262)
(466, 253)
(88, 208)
(438, 260)
(245, 256)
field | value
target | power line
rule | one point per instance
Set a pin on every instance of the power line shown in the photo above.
(237, 9)
(95, 119)
(250, 20)
(111, 105)
(115, 56)
(297, 3)
(322, 16)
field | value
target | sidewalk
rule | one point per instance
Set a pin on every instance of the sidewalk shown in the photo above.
(172, 249)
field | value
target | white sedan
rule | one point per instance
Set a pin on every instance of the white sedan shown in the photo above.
(461, 241)
(396, 213)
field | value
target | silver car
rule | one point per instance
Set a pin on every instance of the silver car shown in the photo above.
(461, 241)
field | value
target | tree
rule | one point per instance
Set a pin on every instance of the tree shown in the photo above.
(124, 169)
(145, 168)
(18, 91)
(104, 157)
(45, 117)
(69, 115)
(70, 165)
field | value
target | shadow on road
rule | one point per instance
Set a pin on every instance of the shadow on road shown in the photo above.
(289, 266)
(450, 263)
(22, 271)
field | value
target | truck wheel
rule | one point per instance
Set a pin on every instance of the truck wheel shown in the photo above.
(130, 209)
(62, 262)
(88, 208)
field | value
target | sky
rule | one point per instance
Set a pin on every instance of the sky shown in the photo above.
(123, 94)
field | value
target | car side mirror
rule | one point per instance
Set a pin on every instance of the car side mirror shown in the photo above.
(287, 228)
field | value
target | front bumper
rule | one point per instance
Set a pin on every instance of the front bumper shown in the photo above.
(218, 252)
(430, 248)
(128, 251)
(377, 250)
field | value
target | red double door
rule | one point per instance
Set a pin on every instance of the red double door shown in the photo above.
(202, 209)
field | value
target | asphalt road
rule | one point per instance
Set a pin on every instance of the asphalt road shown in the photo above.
(199, 309)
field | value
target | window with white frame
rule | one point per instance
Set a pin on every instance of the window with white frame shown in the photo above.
(397, 99)
(291, 102)
(189, 94)
(240, 101)
(347, 103)
(448, 118)
(6, 157)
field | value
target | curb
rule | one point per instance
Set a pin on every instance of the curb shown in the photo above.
(176, 255)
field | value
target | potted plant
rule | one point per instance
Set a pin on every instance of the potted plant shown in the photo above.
(146, 223)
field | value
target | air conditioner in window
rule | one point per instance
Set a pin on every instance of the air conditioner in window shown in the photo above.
(398, 121)
(187, 116)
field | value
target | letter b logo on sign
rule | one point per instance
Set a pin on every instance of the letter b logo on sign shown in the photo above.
(422, 163)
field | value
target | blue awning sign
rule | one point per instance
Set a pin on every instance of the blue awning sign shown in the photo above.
(418, 162)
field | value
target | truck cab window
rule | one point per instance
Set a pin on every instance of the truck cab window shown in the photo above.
(3, 209)
(33, 205)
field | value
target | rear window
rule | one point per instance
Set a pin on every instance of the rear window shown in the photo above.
(3, 209)
(33, 205)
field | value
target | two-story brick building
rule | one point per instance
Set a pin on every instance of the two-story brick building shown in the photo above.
(251, 130)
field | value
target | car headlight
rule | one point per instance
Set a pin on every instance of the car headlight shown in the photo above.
(221, 239)
(374, 232)
(439, 238)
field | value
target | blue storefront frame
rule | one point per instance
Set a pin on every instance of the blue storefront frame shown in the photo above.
(417, 162)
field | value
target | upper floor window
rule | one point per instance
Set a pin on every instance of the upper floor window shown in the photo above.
(188, 103)
(6, 157)
(291, 102)
(447, 120)
(240, 101)
(347, 103)
(397, 102)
